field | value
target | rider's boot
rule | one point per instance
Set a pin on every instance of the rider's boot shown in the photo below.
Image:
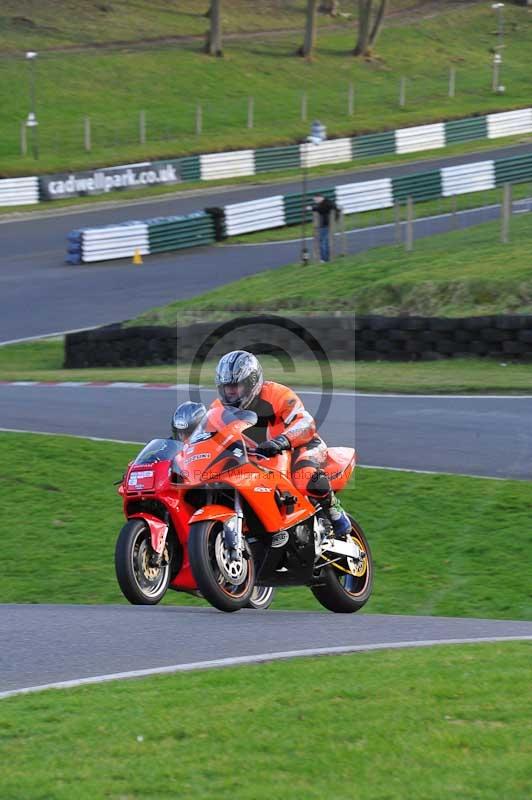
(339, 519)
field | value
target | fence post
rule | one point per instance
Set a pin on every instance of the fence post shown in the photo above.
(142, 127)
(23, 139)
(351, 100)
(199, 119)
(304, 107)
(87, 143)
(506, 212)
(452, 81)
(343, 236)
(409, 242)
(402, 93)
(332, 236)
(251, 109)
(315, 252)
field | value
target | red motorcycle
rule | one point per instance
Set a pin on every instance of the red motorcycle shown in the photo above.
(211, 517)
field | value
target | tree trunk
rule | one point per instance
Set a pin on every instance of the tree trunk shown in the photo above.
(369, 25)
(364, 15)
(310, 30)
(377, 24)
(331, 7)
(213, 45)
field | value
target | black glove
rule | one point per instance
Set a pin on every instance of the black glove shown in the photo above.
(272, 447)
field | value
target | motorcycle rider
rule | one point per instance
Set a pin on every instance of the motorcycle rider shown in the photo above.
(186, 419)
(283, 424)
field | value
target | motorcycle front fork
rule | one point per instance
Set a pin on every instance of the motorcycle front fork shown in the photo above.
(233, 537)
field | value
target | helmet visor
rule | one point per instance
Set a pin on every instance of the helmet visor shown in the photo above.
(232, 394)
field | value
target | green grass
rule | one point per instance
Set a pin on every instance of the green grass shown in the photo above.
(86, 23)
(468, 560)
(445, 722)
(168, 83)
(42, 361)
(463, 273)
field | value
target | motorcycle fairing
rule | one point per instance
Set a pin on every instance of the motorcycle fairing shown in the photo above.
(158, 530)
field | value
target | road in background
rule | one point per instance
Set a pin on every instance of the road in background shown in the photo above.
(487, 436)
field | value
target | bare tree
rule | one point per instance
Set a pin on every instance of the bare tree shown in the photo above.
(213, 45)
(370, 19)
(310, 30)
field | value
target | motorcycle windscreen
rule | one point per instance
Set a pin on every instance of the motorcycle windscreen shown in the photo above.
(216, 445)
(158, 450)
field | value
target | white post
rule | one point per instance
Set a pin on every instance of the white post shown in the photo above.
(402, 93)
(142, 127)
(199, 119)
(452, 81)
(409, 243)
(23, 139)
(251, 109)
(87, 134)
(304, 105)
(506, 213)
(351, 100)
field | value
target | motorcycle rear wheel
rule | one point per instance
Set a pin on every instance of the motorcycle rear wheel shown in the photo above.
(343, 591)
(261, 598)
(141, 583)
(212, 583)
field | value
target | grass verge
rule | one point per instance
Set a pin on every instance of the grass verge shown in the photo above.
(43, 360)
(469, 560)
(68, 89)
(464, 273)
(443, 722)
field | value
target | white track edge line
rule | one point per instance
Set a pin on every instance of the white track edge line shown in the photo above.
(255, 659)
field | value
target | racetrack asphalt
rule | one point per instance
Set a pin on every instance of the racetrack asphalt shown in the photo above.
(40, 294)
(47, 644)
(484, 436)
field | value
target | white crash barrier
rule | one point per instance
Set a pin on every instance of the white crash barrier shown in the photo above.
(509, 123)
(354, 197)
(334, 151)
(256, 215)
(468, 178)
(119, 241)
(19, 191)
(422, 137)
(227, 165)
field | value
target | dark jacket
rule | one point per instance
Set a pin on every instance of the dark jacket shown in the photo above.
(324, 209)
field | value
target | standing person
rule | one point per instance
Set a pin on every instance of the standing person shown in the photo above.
(324, 207)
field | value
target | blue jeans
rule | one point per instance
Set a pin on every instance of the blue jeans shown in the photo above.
(324, 244)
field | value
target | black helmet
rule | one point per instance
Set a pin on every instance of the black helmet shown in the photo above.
(187, 417)
(239, 378)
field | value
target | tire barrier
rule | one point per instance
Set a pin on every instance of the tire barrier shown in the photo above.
(366, 338)
(204, 227)
(128, 239)
(217, 166)
(19, 191)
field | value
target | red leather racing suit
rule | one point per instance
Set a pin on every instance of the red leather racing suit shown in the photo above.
(281, 411)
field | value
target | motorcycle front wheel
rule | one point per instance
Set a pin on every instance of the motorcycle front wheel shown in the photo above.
(261, 598)
(227, 584)
(142, 582)
(346, 586)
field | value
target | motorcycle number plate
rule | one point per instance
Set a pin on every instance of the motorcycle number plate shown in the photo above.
(140, 479)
